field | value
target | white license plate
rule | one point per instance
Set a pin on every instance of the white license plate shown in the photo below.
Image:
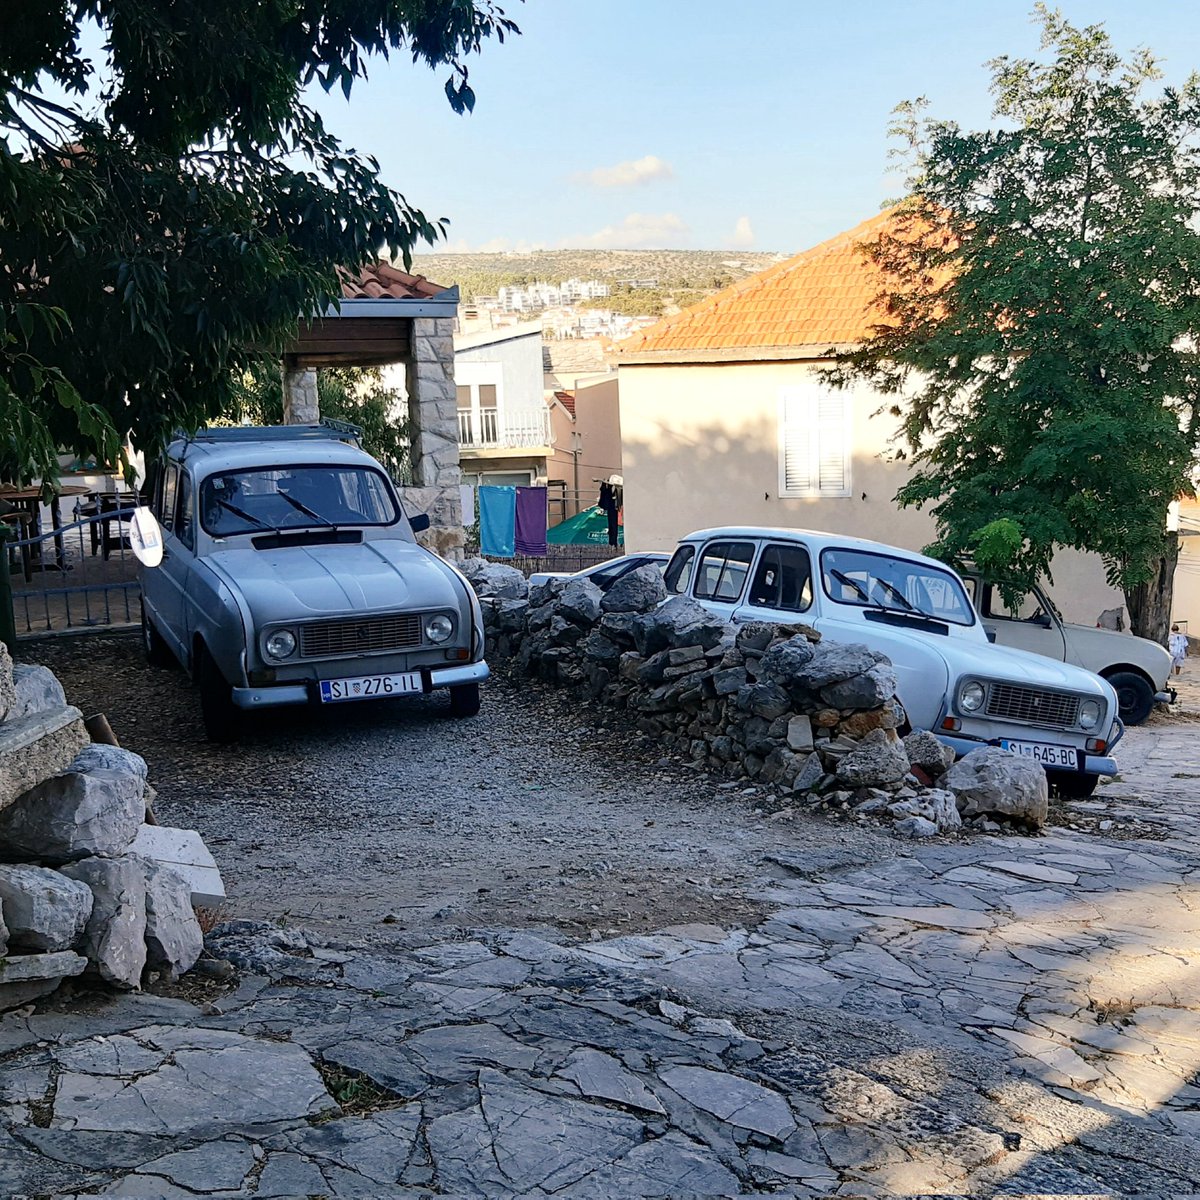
(1048, 756)
(371, 687)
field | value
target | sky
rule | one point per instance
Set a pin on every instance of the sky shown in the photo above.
(699, 124)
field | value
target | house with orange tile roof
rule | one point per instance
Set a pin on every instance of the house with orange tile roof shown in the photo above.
(725, 418)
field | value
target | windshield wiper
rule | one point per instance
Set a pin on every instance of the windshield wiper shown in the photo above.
(874, 604)
(908, 604)
(308, 512)
(845, 579)
(240, 512)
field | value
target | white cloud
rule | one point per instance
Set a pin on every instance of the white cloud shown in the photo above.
(743, 235)
(627, 174)
(639, 231)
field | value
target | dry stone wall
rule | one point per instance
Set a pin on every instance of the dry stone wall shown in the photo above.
(817, 721)
(73, 899)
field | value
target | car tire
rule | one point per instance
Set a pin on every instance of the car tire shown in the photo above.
(1135, 696)
(221, 717)
(464, 700)
(1072, 785)
(157, 652)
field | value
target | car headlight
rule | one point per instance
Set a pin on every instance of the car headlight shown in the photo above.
(971, 698)
(281, 643)
(439, 628)
(1089, 714)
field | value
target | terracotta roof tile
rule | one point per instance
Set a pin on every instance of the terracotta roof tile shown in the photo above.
(385, 282)
(567, 400)
(822, 296)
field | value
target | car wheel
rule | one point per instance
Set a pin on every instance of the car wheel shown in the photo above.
(221, 717)
(157, 652)
(1072, 785)
(1135, 696)
(464, 700)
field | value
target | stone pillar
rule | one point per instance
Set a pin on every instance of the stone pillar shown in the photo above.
(433, 416)
(300, 403)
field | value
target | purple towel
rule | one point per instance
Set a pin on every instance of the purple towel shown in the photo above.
(531, 521)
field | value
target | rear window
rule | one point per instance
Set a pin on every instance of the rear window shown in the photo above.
(722, 570)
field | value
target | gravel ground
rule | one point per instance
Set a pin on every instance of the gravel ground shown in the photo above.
(392, 817)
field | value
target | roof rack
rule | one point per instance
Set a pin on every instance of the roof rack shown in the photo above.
(327, 430)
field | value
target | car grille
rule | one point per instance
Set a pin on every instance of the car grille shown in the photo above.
(360, 635)
(1014, 703)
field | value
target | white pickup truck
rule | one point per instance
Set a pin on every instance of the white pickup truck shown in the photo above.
(915, 610)
(1138, 669)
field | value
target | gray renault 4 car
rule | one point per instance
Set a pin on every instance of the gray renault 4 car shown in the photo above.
(291, 575)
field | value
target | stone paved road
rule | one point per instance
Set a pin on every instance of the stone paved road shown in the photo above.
(998, 1015)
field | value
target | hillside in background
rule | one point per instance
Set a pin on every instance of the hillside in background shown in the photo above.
(699, 271)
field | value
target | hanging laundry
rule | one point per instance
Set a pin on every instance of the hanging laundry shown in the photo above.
(531, 521)
(608, 504)
(497, 521)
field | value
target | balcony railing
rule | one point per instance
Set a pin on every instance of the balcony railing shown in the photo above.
(487, 429)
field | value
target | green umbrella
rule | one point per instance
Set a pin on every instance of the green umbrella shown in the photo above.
(588, 528)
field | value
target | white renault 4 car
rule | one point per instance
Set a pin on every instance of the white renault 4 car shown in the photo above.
(915, 610)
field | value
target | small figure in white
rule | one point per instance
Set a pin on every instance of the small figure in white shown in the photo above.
(1178, 645)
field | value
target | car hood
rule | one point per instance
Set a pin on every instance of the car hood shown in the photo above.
(1106, 647)
(1004, 663)
(302, 582)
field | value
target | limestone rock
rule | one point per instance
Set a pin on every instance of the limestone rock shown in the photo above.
(784, 660)
(800, 733)
(600, 649)
(173, 937)
(25, 977)
(833, 662)
(917, 827)
(35, 747)
(580, 602)
(637, 592)
(925, 751)
(495, 579)
(679, 621)
(8, 691)
(755, 636)
(115, 937)
(811, 773)
(876, 760)
(45, 912)
(943, 809)
(766, 700)
(37, 690)
(75, 815)
(3, 932)
(994, 781)
(99, 757)
(871, 689)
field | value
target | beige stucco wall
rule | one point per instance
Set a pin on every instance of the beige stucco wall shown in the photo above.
(1186, 605)
(598, 424)
(700, 448)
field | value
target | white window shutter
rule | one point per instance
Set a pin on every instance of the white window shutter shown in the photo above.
(814, 441)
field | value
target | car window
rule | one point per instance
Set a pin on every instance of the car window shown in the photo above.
(184, 528)
(678, 575)
(783, 579)
(722, 570)
(166, 510)
(298, 497)
(869, 579)
(1025, 607)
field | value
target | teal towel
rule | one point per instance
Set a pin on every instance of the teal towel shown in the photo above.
(498, 521)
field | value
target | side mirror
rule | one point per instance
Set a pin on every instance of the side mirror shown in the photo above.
(419, 523)
(1044, 620)
(145, 537)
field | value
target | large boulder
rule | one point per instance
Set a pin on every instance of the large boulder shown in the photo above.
(495, 579)
(36, 746)
(44, 911)
(875, 761)
(101, 757)
(637, 592)
(680, 621)
(35, 690)
(833, 662)
(871, 689)
(580, 601)
(8, 690)
(995, 782)
(173, 936)
(114, 939)
(75, 815)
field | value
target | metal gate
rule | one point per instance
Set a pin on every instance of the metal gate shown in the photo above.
(80, 576)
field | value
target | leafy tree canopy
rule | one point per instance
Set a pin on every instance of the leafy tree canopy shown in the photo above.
(1042, 296)
(170, 205)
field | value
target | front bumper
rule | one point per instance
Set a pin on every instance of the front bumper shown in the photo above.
(1093, 764)
(279, 695)
(1166, 696)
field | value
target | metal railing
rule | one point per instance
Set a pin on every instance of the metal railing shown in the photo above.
(487, 429)
(79, 576)
(568, 559)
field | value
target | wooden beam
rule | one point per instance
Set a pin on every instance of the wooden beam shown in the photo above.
(357, 341)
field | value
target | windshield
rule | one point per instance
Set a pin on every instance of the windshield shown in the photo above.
(276, 498)
(869, 580)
